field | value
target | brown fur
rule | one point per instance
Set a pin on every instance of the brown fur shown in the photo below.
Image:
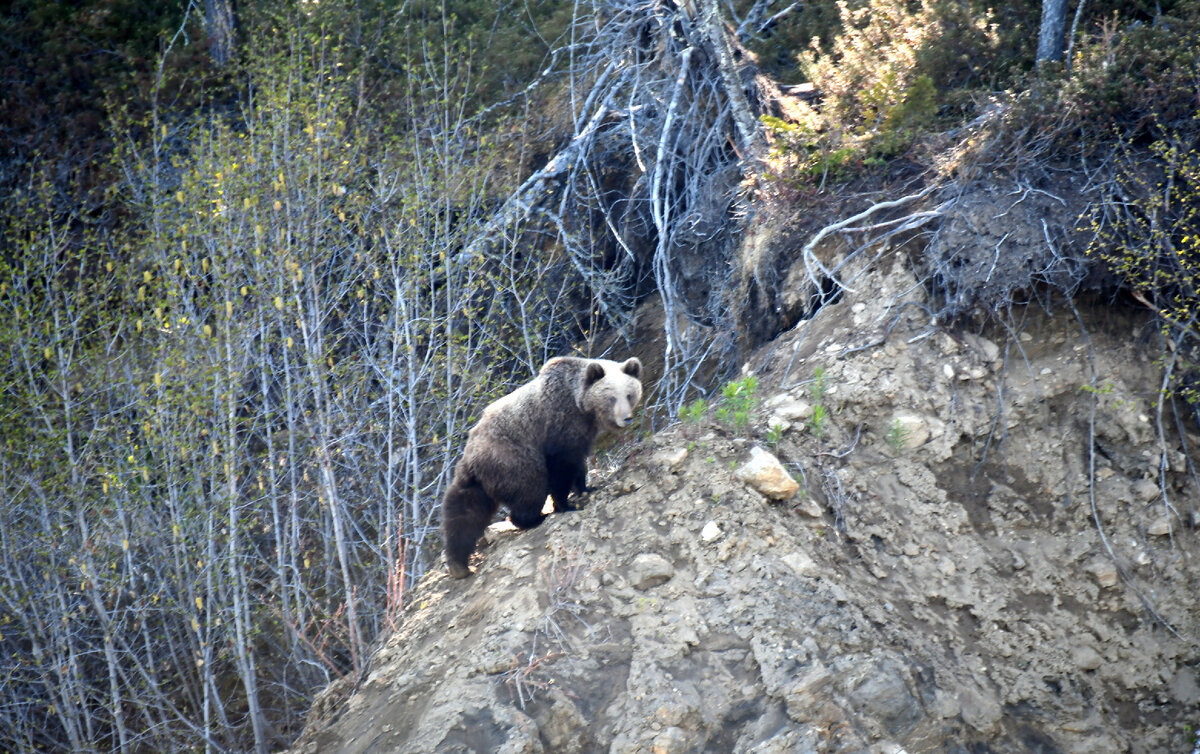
(533, 442)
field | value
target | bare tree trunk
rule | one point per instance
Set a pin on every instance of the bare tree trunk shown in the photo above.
(1054, 26)
(753, 142)
(220, 21)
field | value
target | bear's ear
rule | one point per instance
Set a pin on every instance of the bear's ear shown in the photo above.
(633, 368)
(594, 373)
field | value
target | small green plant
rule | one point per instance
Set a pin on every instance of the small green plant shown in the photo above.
(819, 385)
(1105, 389)
(774, 435)
(693, 412)
(897, 436)
(741, 399)
(818, 423)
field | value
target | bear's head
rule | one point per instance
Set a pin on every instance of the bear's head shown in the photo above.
(611, 391)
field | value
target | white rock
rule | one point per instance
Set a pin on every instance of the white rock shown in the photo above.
(764, 473)
(948, 370)
(778, 423)
(672, 458)
(711, 532)
(914, 429)
(801, 563)
(1086, 658)
(792, 409)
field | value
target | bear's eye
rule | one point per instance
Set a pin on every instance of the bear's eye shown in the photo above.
(612, 401)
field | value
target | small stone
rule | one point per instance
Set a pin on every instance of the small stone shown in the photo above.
(711, 532)
(1159, 527)
(948, 370)
(673, 458)
(808, 507)
(947, 567)
(1086, 658)
(988, 350)
(1103, 570)
(766, 474)
(671, 741)
(778, 424)
(649, 569)
(980, 710)
(792, 409)
(913, 429)
(801, 563)
(1145, 490)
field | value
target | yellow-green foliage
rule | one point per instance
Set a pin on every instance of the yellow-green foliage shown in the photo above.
(881, 76)
(1149, 235)
(227, 419)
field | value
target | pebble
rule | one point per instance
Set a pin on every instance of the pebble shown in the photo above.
(1086, 658)
(801, 563)
(792, 409)
(1145, 489)
(1159, 527)
(649, 569)
(914, 429)
(711, 532)
(673, 458)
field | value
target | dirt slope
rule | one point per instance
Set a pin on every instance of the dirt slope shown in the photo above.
(942, 582)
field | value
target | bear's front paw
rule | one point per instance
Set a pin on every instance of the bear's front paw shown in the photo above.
(459, 571)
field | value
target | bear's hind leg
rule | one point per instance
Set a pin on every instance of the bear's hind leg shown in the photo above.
(466, 512)
(527, 512)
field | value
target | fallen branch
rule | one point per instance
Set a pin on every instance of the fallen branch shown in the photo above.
(810, 259)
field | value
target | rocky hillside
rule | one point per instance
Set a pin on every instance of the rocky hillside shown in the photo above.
(993, 548)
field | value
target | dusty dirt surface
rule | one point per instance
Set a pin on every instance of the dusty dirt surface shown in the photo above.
(962, 569)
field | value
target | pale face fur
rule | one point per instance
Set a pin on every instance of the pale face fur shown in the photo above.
(612, 391)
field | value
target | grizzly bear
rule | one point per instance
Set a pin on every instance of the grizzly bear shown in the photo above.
(535, 441)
